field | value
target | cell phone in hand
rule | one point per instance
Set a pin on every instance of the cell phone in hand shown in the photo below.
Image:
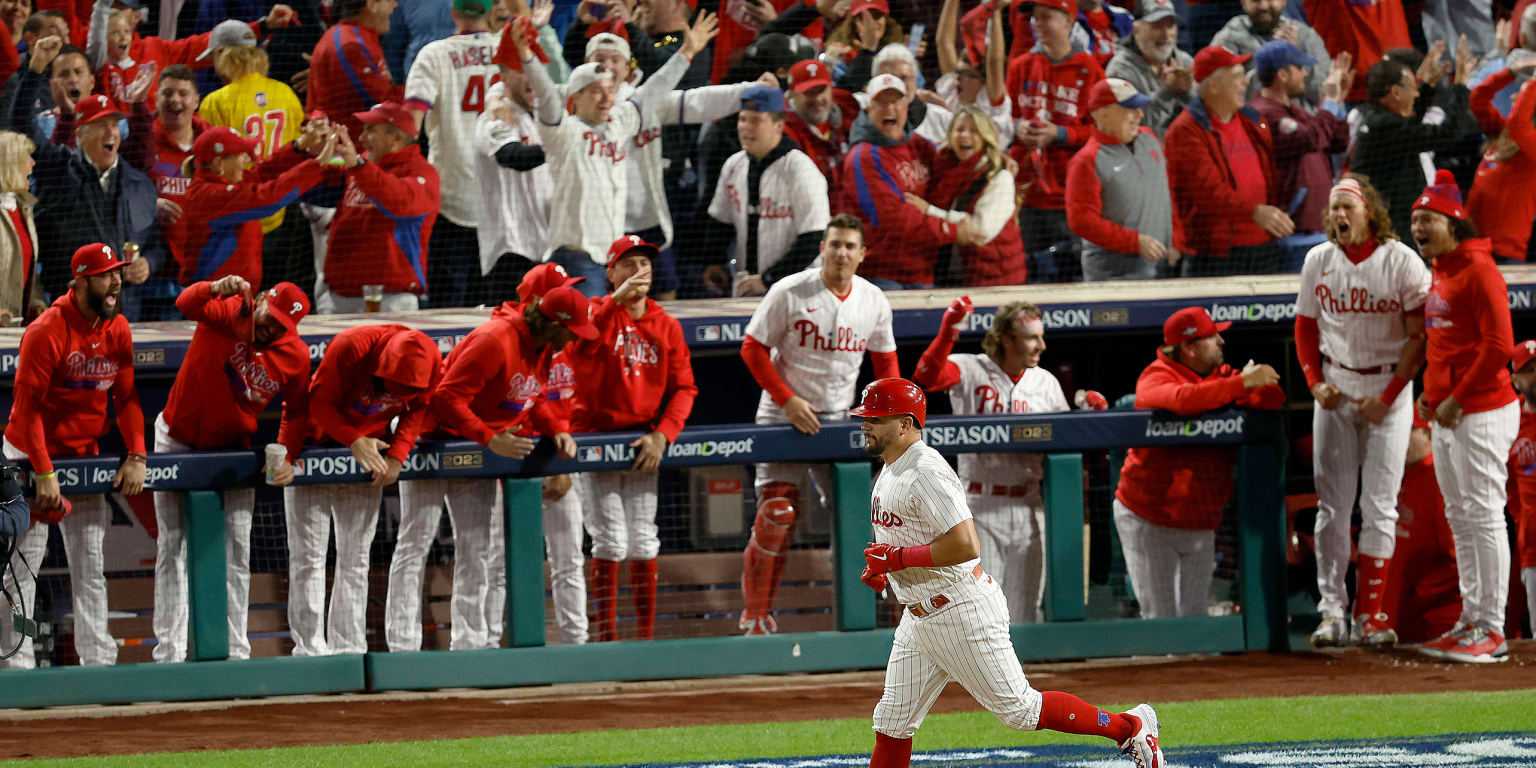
(915, 39)
(597, 10)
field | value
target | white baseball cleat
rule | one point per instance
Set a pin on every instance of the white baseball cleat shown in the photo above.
(1332, 633)
(1143, 746)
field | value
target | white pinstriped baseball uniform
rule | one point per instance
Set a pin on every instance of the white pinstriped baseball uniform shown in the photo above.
(963, 635)
(450, 78)
(516, 203)
(1359, 310)
(792, 200)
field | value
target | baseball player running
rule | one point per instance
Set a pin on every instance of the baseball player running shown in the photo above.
(1360, 341)
(492, 389)
(370, 375)
(635, 374)
(244, 353)
(955, 626)
(72, 357)
(1467, 395)
(805, 343)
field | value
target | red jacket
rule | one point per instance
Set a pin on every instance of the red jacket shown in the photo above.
(348, 398)
(1056, 91)
(825, 147)
(1502, 201)
(113, 78)
(1522, 474)
(1366, 28)
(635, 374)
(226, 380)
(957, 186)
(902, 242)
(348, 74)
(66, 368)
(495, 381)
(1422, 594)
(1185, 486)
(382, 227)
(1206, 203)
(223, 220)
(1467, 320)
(165, 169)
(9, 60)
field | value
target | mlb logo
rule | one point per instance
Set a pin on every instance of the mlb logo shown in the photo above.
(590, 453)
(261, 98)
(856, 439)
(707, 333)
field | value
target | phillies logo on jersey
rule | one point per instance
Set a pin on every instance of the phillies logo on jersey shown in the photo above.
(356, 198)
(249, 377)
(882, 518)
(1357, 300)
(598, 146)
(1523, 453)
(847, 340)
(375, 403)
(95, 372)
(911, 175)
(521, 388)
(1435, 310)
(172, 184)
(647, 136)
(635, 351)
(987, 400)
(560, 384)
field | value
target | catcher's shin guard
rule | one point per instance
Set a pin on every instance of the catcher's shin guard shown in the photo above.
(642, 587)
(605, 596)
(763, 561)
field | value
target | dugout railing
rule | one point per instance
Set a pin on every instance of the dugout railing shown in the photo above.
(857, 642)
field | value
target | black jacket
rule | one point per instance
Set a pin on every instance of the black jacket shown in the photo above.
(1388, 144)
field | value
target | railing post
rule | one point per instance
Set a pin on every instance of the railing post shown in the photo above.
(524, 538)
(855, 602)
(1260, 506)
(1063, 495)
(207, 569)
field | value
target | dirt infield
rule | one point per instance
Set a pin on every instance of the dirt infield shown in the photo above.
(562, 709)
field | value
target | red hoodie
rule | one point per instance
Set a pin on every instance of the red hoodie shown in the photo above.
(1522, 475)
(165, 169)
(1186, 486)
(227, 380)
(1502, 201)
(223, 219)
(635, 374)
(348, 398)
(66, 367)
(1366, 28)
(348, 74)
(1056, 91)
(114, 77)
(495, 381)
(1467, 320)
(382, 227)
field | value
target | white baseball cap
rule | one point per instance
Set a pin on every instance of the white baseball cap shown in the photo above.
(882, 83)
(608, 41)
(584, 76)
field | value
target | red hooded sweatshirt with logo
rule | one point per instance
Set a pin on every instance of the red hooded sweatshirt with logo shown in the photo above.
(67, 367)
(496, 381)
(1186, 486)
(635, 374)
(165, 169)
(1466, 318)
(348, 398)
(901, 241)
(227, 379)
(1056, 91)
(223, 218)
(382, 227)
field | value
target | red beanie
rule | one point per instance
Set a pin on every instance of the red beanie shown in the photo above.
(1443, 196)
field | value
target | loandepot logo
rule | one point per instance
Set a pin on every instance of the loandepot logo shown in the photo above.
(1253, 313)
(617, 452)
(1208, 427)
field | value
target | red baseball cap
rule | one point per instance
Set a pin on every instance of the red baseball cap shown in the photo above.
(389, 113)
(859, 6)
(221, 142)
(1065, 6)
(1189, 324)
(288, 304)
(1522, 353)
(1113, 90)
(96, 107)
(808, 74)
(94, 259)
(544, 278)
(566, 306)
(1214, 57)
(1442, 197)
(629, 243)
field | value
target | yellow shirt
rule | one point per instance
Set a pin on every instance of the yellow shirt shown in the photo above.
(259, 107)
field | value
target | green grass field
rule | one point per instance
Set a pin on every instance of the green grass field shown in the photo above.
(1230, 721)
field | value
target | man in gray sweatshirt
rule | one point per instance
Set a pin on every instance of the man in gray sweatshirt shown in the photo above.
(1265, 20)
(1149, 59)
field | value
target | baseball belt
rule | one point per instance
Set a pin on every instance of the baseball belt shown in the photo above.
(1368, 370)
(940, 600)
(1010, 491)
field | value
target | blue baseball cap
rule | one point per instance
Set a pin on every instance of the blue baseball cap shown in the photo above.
(763, 98)
(1276, 55)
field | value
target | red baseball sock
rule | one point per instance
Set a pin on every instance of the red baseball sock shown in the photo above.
(1370, 584)
(890, 752)
(1069, 714)
(642, 588)
(605, 597)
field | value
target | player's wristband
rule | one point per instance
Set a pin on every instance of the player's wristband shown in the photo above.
(46, 475)
(917, 557)
(1394, 388)
(136, 457)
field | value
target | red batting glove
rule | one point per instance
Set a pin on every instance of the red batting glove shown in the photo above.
(883, 558)
(955, 315)
(1090, 400)
(876, 581)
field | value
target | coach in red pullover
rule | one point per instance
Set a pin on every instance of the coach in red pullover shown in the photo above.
(370, 375)
(1476, 415)
(1169, 501)
(637, 374)
(347, 71)
(72, 357)
(1502, 201)
(886, 162)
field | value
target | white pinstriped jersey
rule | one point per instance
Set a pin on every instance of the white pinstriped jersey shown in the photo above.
(1359, 307)
(792, 200)
(818, 341)
(516, 203)
(918, 498)
(1037, 391)
(450, 77)
(984, 387)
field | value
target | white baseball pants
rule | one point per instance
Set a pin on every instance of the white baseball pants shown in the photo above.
(311, 510)
(1470, 466)
(1012, 536)
(495, 608)
(1528, 578)
(620, 514)
(1347, 456)
(968, 641)
(422, 503)
(809, 478)
(562, 547)
(1170, 568)
(170, 620)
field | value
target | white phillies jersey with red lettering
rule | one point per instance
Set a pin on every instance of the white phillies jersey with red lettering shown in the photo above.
(918, 498)
(791, 200)
(984, 387)
(449, 79)
(818, 341)
(1359, 307)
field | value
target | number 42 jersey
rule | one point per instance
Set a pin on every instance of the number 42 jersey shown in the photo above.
(448, 82)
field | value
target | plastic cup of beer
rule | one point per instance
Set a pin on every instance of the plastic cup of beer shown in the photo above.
(277, 454)
(373, 298)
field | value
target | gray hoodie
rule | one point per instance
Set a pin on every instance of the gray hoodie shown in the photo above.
(1129, 65)
(1238, 37)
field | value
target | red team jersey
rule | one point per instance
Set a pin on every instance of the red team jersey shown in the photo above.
(636, 373)
(1522, 498)
(383, 225)
(223, 220)
(1466, 318)
(1056, 91)
(67, 367)
(171, 184)
(1366, 28)
(116, 76)
(496, 381)
(226, 380)
(347, 399)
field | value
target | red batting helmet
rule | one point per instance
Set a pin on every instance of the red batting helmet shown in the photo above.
(892, 397)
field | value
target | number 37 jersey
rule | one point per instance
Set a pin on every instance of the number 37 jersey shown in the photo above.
(448, 81)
